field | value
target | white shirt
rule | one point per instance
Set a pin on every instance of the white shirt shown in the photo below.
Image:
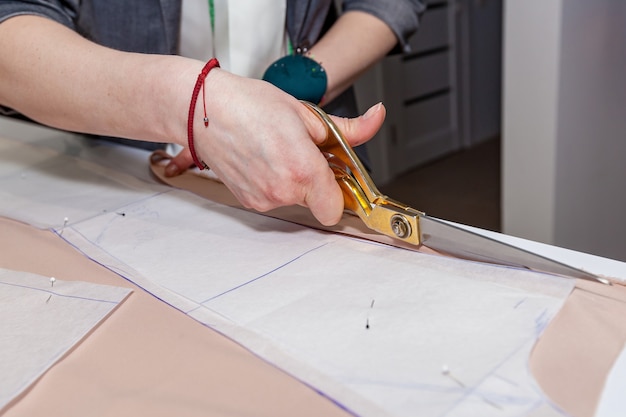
(249, 35)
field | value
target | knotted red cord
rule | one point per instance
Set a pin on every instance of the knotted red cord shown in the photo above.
(192, 110)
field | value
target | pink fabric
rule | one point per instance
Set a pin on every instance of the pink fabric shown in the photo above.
(147, 359)
(572, 358)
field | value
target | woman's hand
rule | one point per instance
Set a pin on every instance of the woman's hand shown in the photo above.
(261, 143)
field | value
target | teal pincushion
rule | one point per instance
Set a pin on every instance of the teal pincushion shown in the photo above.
(300, 76)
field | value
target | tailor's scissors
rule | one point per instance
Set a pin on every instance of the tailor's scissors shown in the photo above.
(400, 221)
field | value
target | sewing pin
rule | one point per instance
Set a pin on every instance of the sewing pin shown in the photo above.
(52, 281)
(49, 297)
(65, 220)
(367, 321)
(446, 371)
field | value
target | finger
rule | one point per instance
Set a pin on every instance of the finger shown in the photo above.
(325, 199)
(159, 155)
(179, 164)
(314, 125)
(356, 130)
(361, 129)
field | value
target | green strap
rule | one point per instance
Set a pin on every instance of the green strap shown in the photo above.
(212, 15)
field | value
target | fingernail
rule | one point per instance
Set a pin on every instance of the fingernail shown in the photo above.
(158, 156)
(372, 110)
(171, 170)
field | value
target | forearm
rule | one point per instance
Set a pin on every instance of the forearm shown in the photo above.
(354, 43)
(260, 141)
(60, 79)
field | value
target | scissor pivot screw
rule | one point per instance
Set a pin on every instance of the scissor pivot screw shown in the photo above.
(400, 226)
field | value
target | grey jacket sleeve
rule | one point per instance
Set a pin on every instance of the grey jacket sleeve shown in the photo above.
(62, 11)
(402, 16)
(306, 19)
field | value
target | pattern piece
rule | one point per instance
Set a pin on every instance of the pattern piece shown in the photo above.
(42, 320)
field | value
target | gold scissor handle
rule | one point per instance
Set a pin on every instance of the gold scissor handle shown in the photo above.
(360, 195)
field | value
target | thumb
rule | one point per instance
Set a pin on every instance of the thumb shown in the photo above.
(361, 129)
(179, 164)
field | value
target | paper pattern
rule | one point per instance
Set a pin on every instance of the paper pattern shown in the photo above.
(371, 326)
(42, 321)
(368, 324)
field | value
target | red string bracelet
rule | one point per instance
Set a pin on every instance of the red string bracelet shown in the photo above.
(192, 110)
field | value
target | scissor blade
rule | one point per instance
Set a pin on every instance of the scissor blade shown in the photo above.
(462, 243)
(397, 220)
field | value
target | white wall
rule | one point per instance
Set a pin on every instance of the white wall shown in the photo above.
(564, 119)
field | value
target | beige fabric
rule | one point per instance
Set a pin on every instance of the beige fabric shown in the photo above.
(571, 360)
(147, 359)
(150, 359)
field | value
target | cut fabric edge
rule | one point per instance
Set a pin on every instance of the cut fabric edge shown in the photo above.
(548, 352)
(75, 345)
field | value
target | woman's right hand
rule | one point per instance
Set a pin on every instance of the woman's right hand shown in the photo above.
(261, 142)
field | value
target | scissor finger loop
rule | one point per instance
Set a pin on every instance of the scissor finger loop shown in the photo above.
(361, 196)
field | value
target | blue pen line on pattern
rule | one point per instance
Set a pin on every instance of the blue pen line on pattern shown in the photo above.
(263, 275)
(58, 294)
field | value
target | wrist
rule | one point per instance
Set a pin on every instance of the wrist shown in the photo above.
(173, 80)
(199, 93)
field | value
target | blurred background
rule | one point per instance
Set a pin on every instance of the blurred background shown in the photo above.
(511, 116)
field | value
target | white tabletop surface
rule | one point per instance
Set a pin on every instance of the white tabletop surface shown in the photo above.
(134, 162)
